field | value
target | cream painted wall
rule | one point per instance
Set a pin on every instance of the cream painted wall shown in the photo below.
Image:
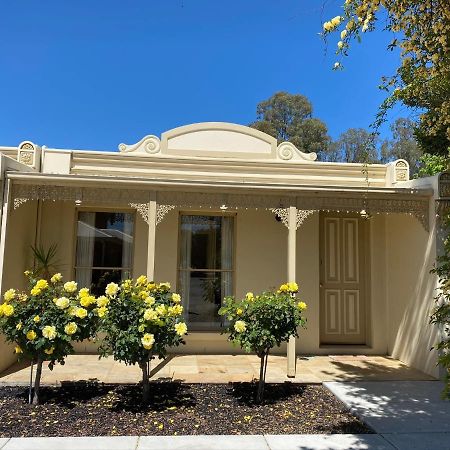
(20, 234)
(410, 256)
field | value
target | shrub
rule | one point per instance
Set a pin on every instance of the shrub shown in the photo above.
(143, 320)
(44, 322)
(441, 313)
(259, 323)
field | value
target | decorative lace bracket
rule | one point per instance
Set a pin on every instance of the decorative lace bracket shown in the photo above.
(161, 211)
(283, 214)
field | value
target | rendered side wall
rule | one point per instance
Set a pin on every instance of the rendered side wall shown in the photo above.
(20, 235)
(411, 253)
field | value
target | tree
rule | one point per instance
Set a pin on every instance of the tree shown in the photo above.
(403, 144)
(421, 31)
(356, 145)
(288, 117)
(143, 320)
(258, 323)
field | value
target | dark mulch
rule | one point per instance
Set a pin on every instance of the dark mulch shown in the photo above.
(86, 409)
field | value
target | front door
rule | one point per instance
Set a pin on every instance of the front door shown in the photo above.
(342, 279)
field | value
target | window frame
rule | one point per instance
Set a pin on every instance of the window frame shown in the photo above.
(94, 209)
(215, 213)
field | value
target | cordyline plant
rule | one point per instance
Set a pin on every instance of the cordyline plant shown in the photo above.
(142, 321)
(441, 314)
(44, 322)
(259, 323)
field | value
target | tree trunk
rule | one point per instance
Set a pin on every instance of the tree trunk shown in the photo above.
(37, 380)
(262, 376)
(145, 383)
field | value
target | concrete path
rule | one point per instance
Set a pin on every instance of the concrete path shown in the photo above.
(267, 442)
(407, 414)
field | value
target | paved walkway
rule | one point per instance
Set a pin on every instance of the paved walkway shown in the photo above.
(407, 414)
(222, 369)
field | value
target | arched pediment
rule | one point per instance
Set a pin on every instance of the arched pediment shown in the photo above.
(217, 140)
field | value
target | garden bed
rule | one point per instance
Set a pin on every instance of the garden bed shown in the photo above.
(92, 409)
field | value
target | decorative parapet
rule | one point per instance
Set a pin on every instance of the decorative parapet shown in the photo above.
(287, 151)
(398, 171)
(29, 154)
(148, 145)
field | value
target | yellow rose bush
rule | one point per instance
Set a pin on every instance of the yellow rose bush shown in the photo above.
(141, 321)
(258, 323)
(44, 321)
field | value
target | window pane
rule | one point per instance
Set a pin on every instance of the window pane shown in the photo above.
(104, 240)
(206, 267)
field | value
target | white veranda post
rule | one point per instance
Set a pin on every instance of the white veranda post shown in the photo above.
(151, 238)
(291, 275)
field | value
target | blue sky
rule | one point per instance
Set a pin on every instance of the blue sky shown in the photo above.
(92, 74)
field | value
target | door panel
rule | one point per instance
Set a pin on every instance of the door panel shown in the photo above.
(342, 274)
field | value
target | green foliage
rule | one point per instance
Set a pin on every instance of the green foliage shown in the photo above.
(421, 32)
(441, 313)
(403, 144)
(44, 260)
(259, 323)
(288, 117)
(432, 165)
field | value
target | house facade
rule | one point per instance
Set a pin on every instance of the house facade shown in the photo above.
(219, 209)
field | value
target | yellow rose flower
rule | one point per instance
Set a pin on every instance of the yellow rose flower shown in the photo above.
(164, 286)
(240, 326)
(49, 332)
(149, 300)
(292, 287)
(55, 278)
(18, 350)
(9, 295)
(31, 335)
(249, 296)
(181, 328)
(42, 284)
(70, 286)
(150, 314)
(49, 351)
(62, 302)
(81, 313)
(35, 291)
(83, 292)
(301, 306)
(72, 311)
(102, 311)
(284, 288)
(176, 298)
(71, 328)
(111, 289)
(239, 311)
(175, 310)
(87, 300)
(36, 319)
(19, 326)
(102, 301)
(141, 280)
(161, 310)
(8, 310)
(148, 340)
(151, 286)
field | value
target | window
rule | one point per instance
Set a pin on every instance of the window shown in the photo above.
(205, 272)
(104, 249)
